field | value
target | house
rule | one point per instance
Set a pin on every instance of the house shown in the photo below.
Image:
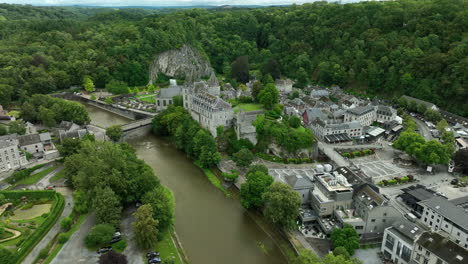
(164, 97)
(46, 140)
(414, 194)
(284, 85)
(371, 209)
(208, 110)
(80, 133)
(243, 125)
(10, 157)
(302, 185)
(398, 241)
(333, 132)
(331, 191)
(442, 215)
(319, 93)
(428, 105)
(385, 113)
(434, 248)
(32, 143)
(311, 114)
(365, 115)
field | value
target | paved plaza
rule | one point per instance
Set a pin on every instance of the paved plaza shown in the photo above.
(280, 174)
(380, 169)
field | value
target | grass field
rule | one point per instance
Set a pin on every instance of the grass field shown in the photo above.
(36, 177)
(59, 175)
(149, 98)
(248, 107)
(168, 249)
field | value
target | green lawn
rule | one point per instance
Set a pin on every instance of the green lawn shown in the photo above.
(248, 107)
(59, 175)
(36, 177)
(300, 129)
(149, 98)
(168, 249)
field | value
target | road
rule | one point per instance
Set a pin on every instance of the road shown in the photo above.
(74, 250)
(423, 129)
(55, 229)
(134, 255)
(332, 154)
(45, 181)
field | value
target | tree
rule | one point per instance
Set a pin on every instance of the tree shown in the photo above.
(282, 205)
(6, 92)
(151, 88)
(256, 88)
(269, 96)
(6, 256)
(252, 190)
(302, 79)
(100, 234)
(162, 202)
(113, 257)
(47, 117)
(240, 69)
(3, 130)
(243, 158)
(231, 176)
(69, 146)
(346, 237)
(409, 141)
(306, 257)
(17, 127)
(461, 160)
(145, 227)
(433, 152)
(341, 251)
(88, 84)
(81, 205)
(108, 100)
(339, 259)
(442, 125)
(294, 121)
(178, 100)
(107, 206)
(66, 223)
(114, 132)
(117, 87)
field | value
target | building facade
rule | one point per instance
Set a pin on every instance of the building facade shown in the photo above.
(434, 248)
(244, 127)
(365, 115)
(398, 241)
(164, 97)
(10, 157)
(439, 214)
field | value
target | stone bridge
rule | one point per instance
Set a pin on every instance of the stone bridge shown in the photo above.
(136, 128)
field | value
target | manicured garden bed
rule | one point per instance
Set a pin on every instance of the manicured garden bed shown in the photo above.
(38, 216)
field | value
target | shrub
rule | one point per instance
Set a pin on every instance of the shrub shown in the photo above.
(22, 174)
(43, 253)
(385, 182)
(397, 179)
(99, 235)
(231, 176)
(410, 178)
(63, 237)
(357, 153)
(6, 256)
(404, 179)
(120, 246)
(66, 223)
(392, 182)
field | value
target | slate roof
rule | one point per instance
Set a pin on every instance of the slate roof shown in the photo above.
(298, 182)
(27, 140)
(461, 202)
(443, 248)
(6, 144)
(314, 113)
(45, 136)
(447, 209)
(406, 230)
(361, 110)
(170, 92)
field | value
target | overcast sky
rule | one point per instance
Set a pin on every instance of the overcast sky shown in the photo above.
(155, 2)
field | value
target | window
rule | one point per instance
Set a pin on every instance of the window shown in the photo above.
(446, 226)
(390, 242)
(398, 248)
(420, 248)
(383, 220)
(425, 219)
(406, 254)
(425, 261)
(428, 253)
(372, 220)
(384, 214)
(359, 227)
(418, 257)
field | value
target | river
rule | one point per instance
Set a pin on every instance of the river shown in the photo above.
(212, 228)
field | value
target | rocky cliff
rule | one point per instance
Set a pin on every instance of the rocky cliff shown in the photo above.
(186, 62)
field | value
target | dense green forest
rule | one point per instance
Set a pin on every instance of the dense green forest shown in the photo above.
(418, 48)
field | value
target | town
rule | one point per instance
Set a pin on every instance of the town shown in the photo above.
(175, 154)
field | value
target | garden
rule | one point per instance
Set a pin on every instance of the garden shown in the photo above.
(25, 217)
(396, 180)
(356, 154)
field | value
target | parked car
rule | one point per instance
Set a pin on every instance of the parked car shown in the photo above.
(104, 250)
(115, 239)
(50, 187)
(454, 182)
(154, 260)
(117, 233)
(152, 254)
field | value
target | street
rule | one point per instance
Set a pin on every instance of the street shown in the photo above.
(133, 253)
(423, 129)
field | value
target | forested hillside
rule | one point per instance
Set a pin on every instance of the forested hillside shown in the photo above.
(419, 48)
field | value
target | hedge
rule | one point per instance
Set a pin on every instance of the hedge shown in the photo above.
(56, 210)
(22, 174)
(273, 158)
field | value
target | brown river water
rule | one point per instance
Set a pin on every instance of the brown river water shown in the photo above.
(212, 228)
